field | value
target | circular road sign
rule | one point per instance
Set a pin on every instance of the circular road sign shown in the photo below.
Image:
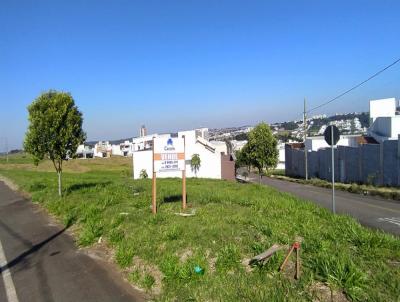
(328, 135)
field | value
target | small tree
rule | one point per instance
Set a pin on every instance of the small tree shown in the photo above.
(243, 158)
(262, 148)
(195, 163)
(143, 174)
(55, 129)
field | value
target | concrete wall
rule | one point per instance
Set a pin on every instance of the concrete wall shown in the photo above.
(381, 108)
(377, 164)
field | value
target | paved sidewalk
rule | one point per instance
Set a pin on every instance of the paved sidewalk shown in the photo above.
(43, 264)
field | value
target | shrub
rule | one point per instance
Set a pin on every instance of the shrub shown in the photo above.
(143, 174)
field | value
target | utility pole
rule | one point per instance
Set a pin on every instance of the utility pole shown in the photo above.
(333, 174)
(7, 149)
(305, 136)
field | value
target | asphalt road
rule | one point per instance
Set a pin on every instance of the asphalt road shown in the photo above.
(370, 211)
(40, 262)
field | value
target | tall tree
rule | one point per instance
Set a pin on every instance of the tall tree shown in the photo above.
(262, 148)
(195, 163)
(55, 129)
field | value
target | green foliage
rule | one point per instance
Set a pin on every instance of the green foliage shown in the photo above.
(124, 255)
(55, 129)
(340, 272)
(228, 258)
(262, 148)
(195, 163)
(243, 157)
(241, 137)
(148, 281)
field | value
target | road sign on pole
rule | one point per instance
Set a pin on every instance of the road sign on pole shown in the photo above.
(332, 136)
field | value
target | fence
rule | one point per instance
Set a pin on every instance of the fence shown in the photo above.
(377, 164)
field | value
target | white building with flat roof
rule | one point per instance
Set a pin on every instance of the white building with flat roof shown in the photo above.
(122, 149)
(102, 149)
(384, 123)
(314, 143)
(382, 108)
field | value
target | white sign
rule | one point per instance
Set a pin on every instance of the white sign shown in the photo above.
(169, 154)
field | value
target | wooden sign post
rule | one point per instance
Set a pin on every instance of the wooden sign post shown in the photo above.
(184, 176)
(168, 156)
(154, 187)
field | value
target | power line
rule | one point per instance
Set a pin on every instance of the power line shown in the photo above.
(356, 86)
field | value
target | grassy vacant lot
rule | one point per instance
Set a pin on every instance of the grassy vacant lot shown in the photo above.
(233, 222)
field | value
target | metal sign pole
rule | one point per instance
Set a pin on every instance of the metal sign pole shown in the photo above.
(333, 173)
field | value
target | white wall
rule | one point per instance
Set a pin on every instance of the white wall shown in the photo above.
(395, 131)
(385, 128)
(382, 108)
(318, 142)
(281, 158)
(116, 150)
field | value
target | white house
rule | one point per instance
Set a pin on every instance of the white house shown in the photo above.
(102, 149)
(85, 151)
(382, 108)
(385, 124)
(215, 163)
(314, 143)
(123, 149)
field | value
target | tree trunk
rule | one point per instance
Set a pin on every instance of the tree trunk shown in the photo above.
(259, 176)
(59, 183)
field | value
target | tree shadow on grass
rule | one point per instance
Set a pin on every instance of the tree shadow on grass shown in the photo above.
(172, 198)
(86, 185)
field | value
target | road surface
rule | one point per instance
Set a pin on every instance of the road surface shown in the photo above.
(370, 211)
(39, 261)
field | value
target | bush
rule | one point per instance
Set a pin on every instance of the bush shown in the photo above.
(143, 174)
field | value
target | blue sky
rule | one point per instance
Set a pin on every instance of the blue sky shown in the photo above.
(183, 64)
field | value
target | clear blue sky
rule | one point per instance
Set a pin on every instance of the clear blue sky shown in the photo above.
(183, 64)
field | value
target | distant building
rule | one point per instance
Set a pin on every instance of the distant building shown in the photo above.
(143, 131)
(122, 149)
(103, 149)
(384, 123)
(372, 159)
(85, 151)
(314, 143)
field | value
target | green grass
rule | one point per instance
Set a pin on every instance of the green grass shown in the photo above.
(232, 222)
